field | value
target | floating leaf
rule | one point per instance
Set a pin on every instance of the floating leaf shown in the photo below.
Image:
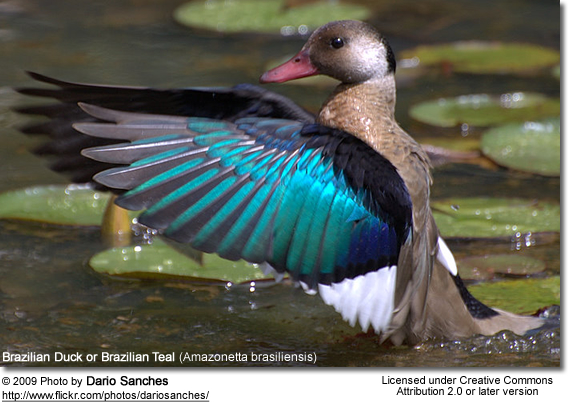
(484, 57)
(530, 147)
(64, 205)
(158, 260)
(513, 265)
(522, 296)
(264, 15)
(485, 110)
(494, 217)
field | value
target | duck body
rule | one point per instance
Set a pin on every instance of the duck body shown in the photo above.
(340, 200)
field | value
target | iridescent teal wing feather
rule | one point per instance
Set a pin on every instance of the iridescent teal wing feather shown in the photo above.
(310, 200)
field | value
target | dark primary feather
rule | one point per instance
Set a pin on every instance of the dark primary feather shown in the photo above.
(66, 143)
(220, 103)
(310, 200)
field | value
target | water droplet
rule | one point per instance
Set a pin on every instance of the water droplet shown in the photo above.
(464, 130)
(410, 63)
(303, 30)
(287, 30)
(518, 96)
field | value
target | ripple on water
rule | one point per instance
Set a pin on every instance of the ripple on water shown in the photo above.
(531, 349)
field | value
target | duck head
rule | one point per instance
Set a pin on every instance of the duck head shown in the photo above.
(349, 51)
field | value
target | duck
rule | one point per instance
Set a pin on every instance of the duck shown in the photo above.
(340, 200)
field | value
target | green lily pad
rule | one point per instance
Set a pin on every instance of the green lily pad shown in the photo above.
(484, 57)
(507, 265)
(264, 15)
(484, 110)
(158, 260)
(64, 205)
(494, 217)
(523, 296)
(532, 147)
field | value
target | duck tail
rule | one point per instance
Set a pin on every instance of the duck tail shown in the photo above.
(491, 320)
(453, 312)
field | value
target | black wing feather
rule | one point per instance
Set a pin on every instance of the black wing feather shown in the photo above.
(244, 100)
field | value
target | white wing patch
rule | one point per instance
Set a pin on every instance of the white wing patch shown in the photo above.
(446, 257)
(368, 298)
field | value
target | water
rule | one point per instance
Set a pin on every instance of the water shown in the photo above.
(50, 300)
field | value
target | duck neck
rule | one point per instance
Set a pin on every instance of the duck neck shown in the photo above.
(365, 110)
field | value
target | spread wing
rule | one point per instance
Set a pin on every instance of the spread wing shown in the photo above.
(310, 200)
(248, 176)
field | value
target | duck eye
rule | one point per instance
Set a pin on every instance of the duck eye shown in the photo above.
(337, 43)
